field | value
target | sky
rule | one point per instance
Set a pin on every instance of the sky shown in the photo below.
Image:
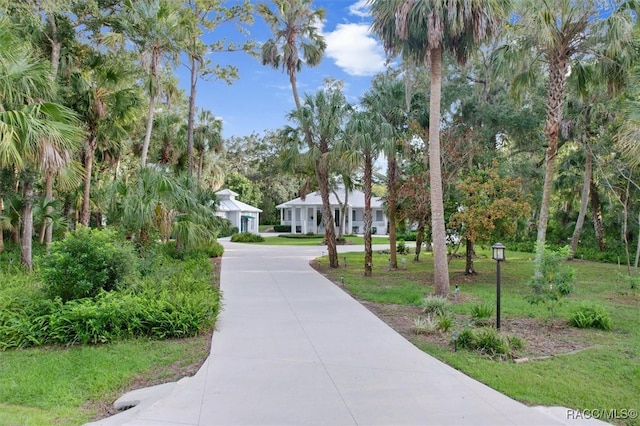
(261, 98)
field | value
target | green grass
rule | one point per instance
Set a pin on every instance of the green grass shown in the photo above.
(66, 386)
(605, 376)
(316, 241)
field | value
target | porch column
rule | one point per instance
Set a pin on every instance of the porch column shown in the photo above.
(349, 220)
(304, 218)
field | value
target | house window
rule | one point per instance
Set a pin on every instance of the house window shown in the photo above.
(337, 217)
(379, 217)
(353, 215)
(288, 214)
(310, 214)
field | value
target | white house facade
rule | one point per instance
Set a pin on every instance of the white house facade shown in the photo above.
(243, 216)
(305, 216)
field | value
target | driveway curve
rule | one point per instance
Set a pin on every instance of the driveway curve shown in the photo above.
(291, 348)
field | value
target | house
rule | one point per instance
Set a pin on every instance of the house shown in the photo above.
(305, 216)
(243, 216)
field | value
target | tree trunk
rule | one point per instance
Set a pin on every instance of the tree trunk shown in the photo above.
(56, 45)
(294, 88)
(469, 269)
(27, 224)
(368, 215)
(200, 165)
(555, 101)
(419, 239)
(635, 264)
(152, 99)
(392, 173)
(88, 167)
(584, 204)
(440, 263)
(596, 211)
(1, 230)
(47, 224)
(327, 215)
(192, 112)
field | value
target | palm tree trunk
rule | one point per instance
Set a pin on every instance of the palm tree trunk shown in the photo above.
(596, 211)
(294, 88)
(27, 224)
(47, 225)
(192, 113)
(147, 136)
(392, 173)
(440, 264)
(368, 215)
(200, 164)
(584, 203)
(88, 167)
(555, 98)
(327, 215)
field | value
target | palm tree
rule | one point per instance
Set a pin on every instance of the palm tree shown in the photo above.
(157, 28)
(295, 30)
(422, 30)
(321, 117)
(106, 97)
(207, 138)
(368, 132)
(387, 99)
(34, 135)
(559, 35)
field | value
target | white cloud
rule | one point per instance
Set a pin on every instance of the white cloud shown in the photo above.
(360, 8)
(353, 49)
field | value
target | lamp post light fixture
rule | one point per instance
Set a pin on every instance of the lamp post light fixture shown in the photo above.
(498, 255)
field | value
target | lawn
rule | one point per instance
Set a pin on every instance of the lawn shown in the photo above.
(70, 386)
(586, 369)
(317, 240)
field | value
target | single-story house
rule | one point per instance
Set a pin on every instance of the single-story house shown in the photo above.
(243, 216)
(305, 216)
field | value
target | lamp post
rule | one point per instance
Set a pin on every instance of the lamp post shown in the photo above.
(498, 255)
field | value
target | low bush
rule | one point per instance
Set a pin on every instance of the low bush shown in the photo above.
(409, 236)
(246, 237)
(310, 235)
(489, 341)
(481, 313)
(86, 262)
(282, 228)
(176, 299)
(436, 305)
(591, 316)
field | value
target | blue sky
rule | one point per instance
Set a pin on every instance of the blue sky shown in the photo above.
(262, 97)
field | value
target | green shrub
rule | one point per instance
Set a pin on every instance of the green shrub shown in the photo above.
(481, 313)
(489, 341)
(308, 235)
(246, 237)
(426, 324)
(445, 323)
(282, 228)
(176, 300)
(436, 305)
(226, 228)
(86, 262)
(554, 281)
(591, 316)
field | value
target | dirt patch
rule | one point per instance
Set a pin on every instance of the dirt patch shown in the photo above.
(540, 338)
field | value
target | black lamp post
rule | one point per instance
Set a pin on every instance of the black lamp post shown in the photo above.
(498, 256)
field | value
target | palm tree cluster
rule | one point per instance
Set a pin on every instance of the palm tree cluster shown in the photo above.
(468, 91)
(92, 125)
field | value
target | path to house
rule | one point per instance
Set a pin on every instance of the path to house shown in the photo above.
(291, 348)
